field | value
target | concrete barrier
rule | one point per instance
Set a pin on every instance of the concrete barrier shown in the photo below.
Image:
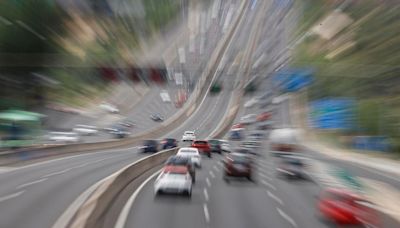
(96, 205)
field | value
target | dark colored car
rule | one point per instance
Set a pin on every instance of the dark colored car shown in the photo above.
(215, 145)
(150, 146)
(169, 143)
(183, 161)
(342, 207)
(157, 118)
(291, 167)
(238, 165)
(203, 146)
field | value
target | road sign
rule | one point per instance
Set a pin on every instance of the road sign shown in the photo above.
(332, 113)
(293, 79)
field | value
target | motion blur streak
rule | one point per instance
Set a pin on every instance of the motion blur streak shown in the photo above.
(315, 127)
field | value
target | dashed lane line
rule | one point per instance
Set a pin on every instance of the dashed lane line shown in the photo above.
(276, 198)
(286, 217)
(206, 213)
(268, 184)
(31, 183)
(206, 197)
(212, 174)
(208, 182)
(7, 197)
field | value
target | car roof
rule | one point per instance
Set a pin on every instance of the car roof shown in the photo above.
(343, 192)
(188, 149)
(175, 169)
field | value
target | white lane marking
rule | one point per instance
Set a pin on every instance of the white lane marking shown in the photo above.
(69, 157)
(275, 197)
(57, 173)
(215, 168)
(268, 184)
(68, 214)
(287, 217)
(208, 182)
(7, 197)
(205, 194)
(31, 183)
(6, 169)
(221, 164)
(206, 213)
(265, 176)
(123, 216)
(212, 174)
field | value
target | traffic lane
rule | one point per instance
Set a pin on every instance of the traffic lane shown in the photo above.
(50, 208)
(171, 210)
(42, 203)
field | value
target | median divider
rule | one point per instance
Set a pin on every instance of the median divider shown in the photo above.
(102, 197)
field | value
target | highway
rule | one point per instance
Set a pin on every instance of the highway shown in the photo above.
(36, 195)
(269, 201)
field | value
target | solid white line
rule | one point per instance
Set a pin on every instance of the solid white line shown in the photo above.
(7, 197)
(274, 197)
(208, 182)
(30, 183)
(68, 214)
(205, 194)
(212, 174)
(56, 173)
(123, 216)
(73, 156)
(268, 184)
(287, 217)
(206, 213)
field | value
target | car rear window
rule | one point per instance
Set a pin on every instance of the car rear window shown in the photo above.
(239, 159)
(200, 142)
(188, 151)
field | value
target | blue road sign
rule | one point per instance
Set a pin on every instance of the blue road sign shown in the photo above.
(293, 79)
(332, 113)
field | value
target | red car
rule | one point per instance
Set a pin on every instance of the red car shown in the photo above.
(203, 146)
(238, 125)
(346, 208)
(264, 116)
(238, 165)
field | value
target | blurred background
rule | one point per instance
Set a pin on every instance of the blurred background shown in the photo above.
(317, 77)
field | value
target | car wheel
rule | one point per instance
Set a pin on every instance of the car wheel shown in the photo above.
(249, 178)
(226, 178)
(209, 155)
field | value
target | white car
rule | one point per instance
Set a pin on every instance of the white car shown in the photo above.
(85, 129)
(64, 137)
(225, 147)
(109, 108)
(193, 153)
(174, 179)
(250, 103)
(284, 141)
(188, 136)
(248, 119)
